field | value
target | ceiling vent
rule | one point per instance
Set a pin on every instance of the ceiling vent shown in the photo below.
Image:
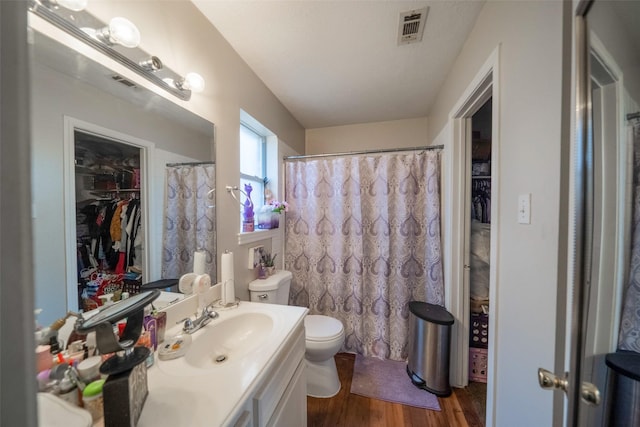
(412, 26)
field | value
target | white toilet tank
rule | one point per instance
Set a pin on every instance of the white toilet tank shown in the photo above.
(273, 290)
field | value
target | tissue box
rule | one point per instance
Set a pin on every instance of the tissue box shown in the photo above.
(156, 325)
(124, 396)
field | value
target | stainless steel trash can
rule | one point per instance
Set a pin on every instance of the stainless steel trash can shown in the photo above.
(623, 389)
(429, 344)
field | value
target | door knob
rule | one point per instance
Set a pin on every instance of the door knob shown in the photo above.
(589, 393)
(550, 381)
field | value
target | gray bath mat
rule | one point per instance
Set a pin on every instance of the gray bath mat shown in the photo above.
(388, 380)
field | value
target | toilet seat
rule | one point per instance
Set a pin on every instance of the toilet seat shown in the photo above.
(320, 328)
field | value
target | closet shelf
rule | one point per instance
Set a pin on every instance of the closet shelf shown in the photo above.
(481, 177)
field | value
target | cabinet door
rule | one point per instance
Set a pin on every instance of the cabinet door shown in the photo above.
(292, 408)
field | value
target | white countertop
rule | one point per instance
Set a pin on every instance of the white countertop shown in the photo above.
(214, 397)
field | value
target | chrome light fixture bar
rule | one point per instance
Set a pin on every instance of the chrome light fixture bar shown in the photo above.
(77, 23)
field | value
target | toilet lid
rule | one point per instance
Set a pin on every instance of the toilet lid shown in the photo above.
(322, 328)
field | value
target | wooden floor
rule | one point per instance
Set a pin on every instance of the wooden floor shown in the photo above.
(346, 409)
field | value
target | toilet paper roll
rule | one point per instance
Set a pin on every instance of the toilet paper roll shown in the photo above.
(199, 261)
(228, 282)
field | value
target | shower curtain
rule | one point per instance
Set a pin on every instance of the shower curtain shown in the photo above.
(190, 219)
(630, 324)
(362, 240)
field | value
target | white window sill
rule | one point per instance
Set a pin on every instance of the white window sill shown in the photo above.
(256, 236)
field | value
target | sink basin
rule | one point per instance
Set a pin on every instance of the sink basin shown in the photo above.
(221, 343)
(229, 340)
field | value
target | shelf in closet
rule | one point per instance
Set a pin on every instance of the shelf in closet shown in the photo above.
(481, 177)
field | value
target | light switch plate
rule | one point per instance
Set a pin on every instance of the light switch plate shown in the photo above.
(524, 208)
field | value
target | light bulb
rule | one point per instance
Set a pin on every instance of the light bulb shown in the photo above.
(75, 5)
(120, 31)
(193, 82)
(124, 32)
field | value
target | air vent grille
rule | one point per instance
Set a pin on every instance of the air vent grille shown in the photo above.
(411, 26)
(124, 81)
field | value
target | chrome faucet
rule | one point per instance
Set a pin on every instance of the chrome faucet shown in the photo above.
(190, 326)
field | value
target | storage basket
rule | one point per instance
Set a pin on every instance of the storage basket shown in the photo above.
(479, 330)
(478, 364)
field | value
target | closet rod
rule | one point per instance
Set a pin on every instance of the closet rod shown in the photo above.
(351, 153)
(191, 164)
(632, 116)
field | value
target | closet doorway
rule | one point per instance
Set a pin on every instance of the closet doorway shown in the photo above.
(106, 201)
(478, 250)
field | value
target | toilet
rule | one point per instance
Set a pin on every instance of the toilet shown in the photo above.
(324, 335)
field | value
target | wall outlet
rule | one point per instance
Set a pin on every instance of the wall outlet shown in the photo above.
(254, 257)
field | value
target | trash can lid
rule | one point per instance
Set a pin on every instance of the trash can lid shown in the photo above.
(626, 363)
(431, 312)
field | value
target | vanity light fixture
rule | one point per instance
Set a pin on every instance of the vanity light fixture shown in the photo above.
(75, 5)
(152, 63)
(111, 40)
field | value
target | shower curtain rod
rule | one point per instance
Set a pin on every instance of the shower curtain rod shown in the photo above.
(632, 116)
(350, 153)
(191, 164)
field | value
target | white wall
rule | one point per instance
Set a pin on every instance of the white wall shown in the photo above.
(367, 136)
(530, 38)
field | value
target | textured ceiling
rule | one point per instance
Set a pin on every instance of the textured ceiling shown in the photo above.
(333, 63)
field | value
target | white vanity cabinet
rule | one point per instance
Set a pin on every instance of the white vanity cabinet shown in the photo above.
(281, 397)
(262, 383)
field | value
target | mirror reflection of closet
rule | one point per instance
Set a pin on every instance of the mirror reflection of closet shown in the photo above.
(73, 92)
(109, 218)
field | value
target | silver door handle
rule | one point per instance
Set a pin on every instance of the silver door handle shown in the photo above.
(589, 393)
(550, 381)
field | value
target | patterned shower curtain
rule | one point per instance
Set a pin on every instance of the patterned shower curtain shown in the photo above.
(630, 323)
(362, 240)
(190, 219)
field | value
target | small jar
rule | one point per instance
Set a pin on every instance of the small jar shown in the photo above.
(89, 369)
(92, 399)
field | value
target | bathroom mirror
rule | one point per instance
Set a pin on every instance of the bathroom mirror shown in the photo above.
(73, 94)
(607, 204)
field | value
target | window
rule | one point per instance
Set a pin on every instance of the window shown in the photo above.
(253, 161)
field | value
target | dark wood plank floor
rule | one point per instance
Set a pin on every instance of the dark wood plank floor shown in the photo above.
(346, 409)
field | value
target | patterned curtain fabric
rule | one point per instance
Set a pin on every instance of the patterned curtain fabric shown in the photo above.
(362, 240)
(190, 219)
(630, 324)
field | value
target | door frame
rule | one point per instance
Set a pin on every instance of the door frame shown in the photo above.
(147, 189)
(485, 85)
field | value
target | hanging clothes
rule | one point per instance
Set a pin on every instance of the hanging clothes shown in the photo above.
(481, 199)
